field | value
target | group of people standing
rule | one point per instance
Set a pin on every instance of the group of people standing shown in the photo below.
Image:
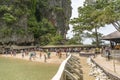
(37, 53)
(32, 53)
(105, 51)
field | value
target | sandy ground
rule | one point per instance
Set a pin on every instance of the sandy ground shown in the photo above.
(53, 58)
(85, 68)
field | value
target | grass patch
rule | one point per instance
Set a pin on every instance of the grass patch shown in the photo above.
(15, 69)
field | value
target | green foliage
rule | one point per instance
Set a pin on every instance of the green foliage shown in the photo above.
(46, 26)
(87, 20)
(108, 12)
(77, 38)
(45, 39)
(4, 8)
(33, 6)
(58, 9)
(56, 40)
(95, 14)
(20, 31)
(41, 6)
(43, 31)
(42, 28)
(9, 18)
(69, 1)
(35, 13)
(92, 36)
(32, 22)
(19, 12)
(72, 41)
(6, 31)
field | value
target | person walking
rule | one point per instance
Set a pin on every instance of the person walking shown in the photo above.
(95, 52)
(45, 58)
(40, 55)
(22, 52)
(48, 54)
(108, 53)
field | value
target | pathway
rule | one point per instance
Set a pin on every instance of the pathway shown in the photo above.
(109, 65)
(85, 68)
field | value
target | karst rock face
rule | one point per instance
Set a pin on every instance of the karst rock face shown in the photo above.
(14, 25)
(60, 15)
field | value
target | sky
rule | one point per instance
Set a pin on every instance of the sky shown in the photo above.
(104, 30)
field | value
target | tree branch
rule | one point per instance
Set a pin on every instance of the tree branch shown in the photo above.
(116, 26)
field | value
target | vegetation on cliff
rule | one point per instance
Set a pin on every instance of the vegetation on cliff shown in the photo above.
(23, 22)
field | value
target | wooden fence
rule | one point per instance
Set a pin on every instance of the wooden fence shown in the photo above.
(70, 69)
(111, 75)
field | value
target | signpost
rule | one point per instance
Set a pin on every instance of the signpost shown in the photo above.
(114, 51)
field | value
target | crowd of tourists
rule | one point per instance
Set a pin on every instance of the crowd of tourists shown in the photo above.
(46, 52)
(37, 53)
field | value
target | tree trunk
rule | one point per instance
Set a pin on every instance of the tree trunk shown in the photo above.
(97, 41)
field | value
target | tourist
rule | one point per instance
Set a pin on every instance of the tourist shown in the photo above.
(45, 58)
(30, 54)
(22, 52)
(57, 52)
(34, 55)
(60, 55)
(107, 50)
(48, 54)
(95, 52)
(40, 55)
(14, 52)
(11, 52)
(67, 54)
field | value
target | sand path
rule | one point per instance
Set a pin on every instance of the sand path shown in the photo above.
(85, 68)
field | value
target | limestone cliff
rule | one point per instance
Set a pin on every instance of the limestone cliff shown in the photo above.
(14, 16)
(60, 15)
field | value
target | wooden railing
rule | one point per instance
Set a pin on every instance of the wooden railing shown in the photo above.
(111, 75)
(59, 74)
(70, 69)
(114, 54)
